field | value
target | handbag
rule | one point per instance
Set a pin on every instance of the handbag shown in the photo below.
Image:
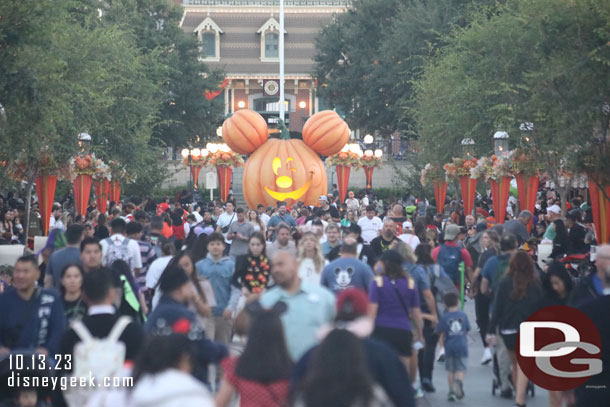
(225, 229)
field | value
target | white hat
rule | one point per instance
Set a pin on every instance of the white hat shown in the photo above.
(323, 198)
(407, 225)
(555, 209)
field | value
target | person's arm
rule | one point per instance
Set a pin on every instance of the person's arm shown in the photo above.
(225, 394)
(416, 318)
(497, 311)
(57, 326)
(429, 299)
(373, 299)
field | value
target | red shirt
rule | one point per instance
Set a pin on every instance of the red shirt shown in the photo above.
(162, 207)
(253, 394)
(465, 255)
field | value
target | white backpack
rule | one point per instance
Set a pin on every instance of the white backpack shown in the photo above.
(96, 357)
(117, 252)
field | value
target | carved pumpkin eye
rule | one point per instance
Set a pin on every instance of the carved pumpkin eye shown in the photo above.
(282, 181)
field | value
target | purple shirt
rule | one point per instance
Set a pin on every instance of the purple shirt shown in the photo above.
(391, 313)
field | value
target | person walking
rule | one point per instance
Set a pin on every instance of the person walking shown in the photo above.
(518, 296)
(261, 375)
(310, 258)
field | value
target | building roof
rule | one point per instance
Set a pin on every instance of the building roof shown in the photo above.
(240, 45)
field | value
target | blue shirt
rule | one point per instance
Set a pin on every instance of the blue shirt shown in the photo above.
(597, 284)
(219, 274)
(277, 219)
(346, 273)
(310, 308)
(455, 326)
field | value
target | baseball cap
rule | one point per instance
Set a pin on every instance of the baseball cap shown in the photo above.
(323, 198)
(352, 301)
(407, 225)
(554, 208)
(451, 231)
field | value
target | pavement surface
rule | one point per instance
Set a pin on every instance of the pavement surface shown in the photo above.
(478, 381)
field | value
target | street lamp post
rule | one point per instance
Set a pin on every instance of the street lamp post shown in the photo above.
(84, 142)
(526, 133)
(468, 147)
(501, 143)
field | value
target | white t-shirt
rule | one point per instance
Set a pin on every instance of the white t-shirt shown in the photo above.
(307, 272)
(198, 217)
(365, 201)
(225, 220)
(265, 218)
(133, 247)
(370, 228)
(410, 239)
(153, 276)
(352, 204)
(55, 224)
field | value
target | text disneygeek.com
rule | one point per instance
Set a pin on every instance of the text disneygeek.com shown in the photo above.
(64, 382)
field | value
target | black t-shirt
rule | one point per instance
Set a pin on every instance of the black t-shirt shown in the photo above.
(333, 211)
(74, 310)
(378, 246)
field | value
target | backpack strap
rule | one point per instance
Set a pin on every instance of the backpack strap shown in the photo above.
(82, 331)
(118, 328)
(125, 241)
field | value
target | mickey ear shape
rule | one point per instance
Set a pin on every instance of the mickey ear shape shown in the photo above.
(279, 308)
(326, 133)
(245, 131)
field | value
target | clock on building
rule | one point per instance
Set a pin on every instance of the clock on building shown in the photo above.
(271, 87)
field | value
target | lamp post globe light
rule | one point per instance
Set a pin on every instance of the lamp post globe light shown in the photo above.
(368, 139)
(378, 153)
(501, 143)
(84, 142)
(468, 147)
(526, 133)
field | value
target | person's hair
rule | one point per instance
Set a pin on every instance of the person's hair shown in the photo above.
(261, 238)
(318, 256)
(281, 203)
(56, 207)
(522, 273)
(423, 252)
(393, 265)
(239, 210)
(101, 220)
(451, 299)
(508, 242)
(176, 216)
(525, 215)
(194, 278)
(199, 248)
(168, 248)
(28, 258)
(260, 206)
(282, 225)
(191, 217)
(115, 211)
(133, 228)
(166, 218)
(117, 225)
(173, 278)
(349, 248)
(558, 270)
(406, 252)
(216, 237)
(74, 233)
(160, 353)
(371, 208)
(156, 223)
(89, 240)
(338, 373)
(265, 358)
(140, 215)
(97, 284)
(62, 289)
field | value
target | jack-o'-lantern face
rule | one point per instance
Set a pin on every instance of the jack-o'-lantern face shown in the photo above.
(284, 181)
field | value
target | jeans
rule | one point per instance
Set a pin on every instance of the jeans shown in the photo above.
(427, 353)
(481, 308)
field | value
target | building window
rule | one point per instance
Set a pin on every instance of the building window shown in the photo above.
(270, 105)
(272, 45)
(208, 44)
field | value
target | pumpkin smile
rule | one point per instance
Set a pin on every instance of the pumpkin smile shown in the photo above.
(296, 194)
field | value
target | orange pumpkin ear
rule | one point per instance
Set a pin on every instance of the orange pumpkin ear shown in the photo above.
(245, 131)
(326, 133)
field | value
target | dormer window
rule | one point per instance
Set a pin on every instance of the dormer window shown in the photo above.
(270, 40)
(208, 33)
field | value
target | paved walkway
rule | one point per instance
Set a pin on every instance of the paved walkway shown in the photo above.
(477, 385)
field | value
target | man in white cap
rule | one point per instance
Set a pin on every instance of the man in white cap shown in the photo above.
(408, 235)
(330, 209)
(553, 213)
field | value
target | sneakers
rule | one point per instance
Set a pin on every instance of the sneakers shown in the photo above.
(419, 393)
(506, 394)
(440, 357)
(459, 389)
(427, 386)
(452, 397)
(487, 356)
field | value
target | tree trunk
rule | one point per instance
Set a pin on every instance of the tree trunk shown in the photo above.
(563, 196)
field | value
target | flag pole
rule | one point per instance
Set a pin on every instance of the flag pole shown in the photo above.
(281, 54)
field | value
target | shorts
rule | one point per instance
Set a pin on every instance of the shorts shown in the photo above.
(510, 341)
(399, 339)
(455, 364)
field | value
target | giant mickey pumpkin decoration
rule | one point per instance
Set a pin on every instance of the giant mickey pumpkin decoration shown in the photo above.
(285, 169)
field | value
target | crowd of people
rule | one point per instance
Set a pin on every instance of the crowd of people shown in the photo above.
(342, 304)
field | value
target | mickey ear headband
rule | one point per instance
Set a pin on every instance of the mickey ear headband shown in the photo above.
(255, 308)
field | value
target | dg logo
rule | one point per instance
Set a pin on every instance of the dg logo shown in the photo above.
(559, 348)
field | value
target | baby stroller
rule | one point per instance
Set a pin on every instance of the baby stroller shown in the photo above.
(496, 382)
